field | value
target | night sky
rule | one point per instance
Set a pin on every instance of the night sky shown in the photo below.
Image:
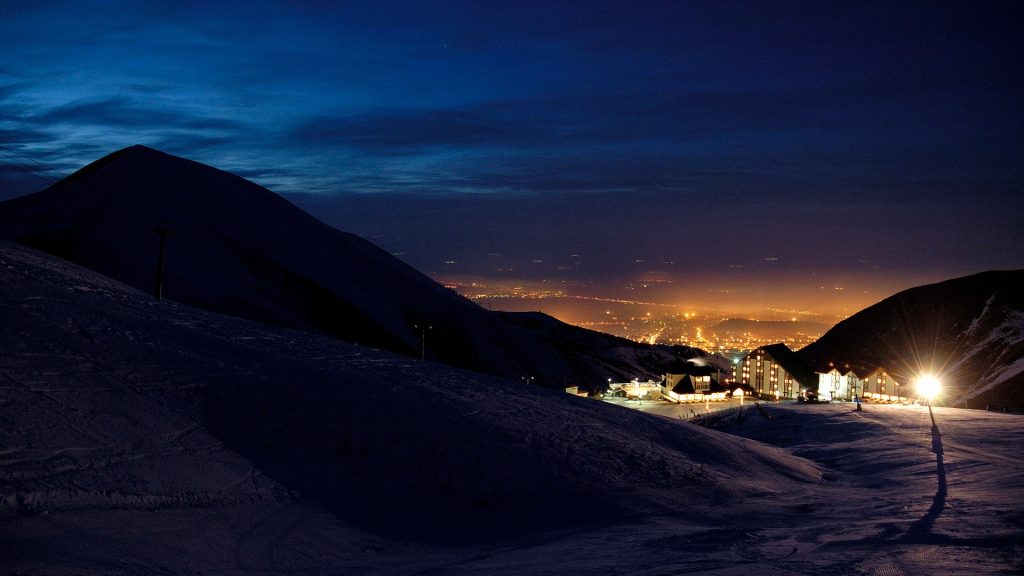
(769, 152)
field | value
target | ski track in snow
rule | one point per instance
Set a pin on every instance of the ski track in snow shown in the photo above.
(108, 464)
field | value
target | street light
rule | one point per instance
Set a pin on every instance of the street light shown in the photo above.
(423, 339)
(929, 387)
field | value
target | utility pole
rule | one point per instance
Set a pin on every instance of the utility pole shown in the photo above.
(423, 339)
(164, 232)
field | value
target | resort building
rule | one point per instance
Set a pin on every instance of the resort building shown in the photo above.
(697, 385)
(844, 383)
(841, 384)
(636, 390)
(774, 371)
(883, 387)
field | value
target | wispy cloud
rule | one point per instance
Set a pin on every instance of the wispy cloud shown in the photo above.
(713, 105)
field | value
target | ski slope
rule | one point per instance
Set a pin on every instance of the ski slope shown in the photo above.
(145, 437)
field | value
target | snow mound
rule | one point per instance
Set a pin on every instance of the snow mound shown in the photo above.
(113, 400)
(148, 437)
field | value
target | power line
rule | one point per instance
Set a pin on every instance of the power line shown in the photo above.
(22, 168)
(45, 167)
(13, 153)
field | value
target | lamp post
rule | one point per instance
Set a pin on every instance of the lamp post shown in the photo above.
(929, 387)
(423, 339)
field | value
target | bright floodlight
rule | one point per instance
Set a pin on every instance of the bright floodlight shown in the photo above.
(928, 386)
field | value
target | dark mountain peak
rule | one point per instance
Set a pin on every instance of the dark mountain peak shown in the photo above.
(142, 148)
(138, 188)
(968, 330)
(140, 174)
(1005, 282)
(236, 246)
(135, 155)
(240, 249)
(141, 153)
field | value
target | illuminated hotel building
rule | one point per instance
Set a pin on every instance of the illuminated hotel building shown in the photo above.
(845, 383)
(774, 371)
(840, 384)
(880, 385)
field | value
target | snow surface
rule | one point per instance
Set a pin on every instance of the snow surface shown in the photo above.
(145, 437)
(1004, 336)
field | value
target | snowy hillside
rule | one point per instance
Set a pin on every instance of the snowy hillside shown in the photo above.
(915, 502)
(237, 248)
(118, 405)
(145, 437)
(969, 331)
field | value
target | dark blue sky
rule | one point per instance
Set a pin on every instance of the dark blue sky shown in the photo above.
(874, 143)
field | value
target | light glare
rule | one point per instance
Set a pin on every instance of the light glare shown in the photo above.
(928, 387)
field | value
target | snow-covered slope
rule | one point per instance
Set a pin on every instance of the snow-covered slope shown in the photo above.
(912, 501)
(969, 331)
(143, 435)
(139, 437)
(237, 248)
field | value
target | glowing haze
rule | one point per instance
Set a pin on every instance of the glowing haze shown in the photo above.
(740, 155)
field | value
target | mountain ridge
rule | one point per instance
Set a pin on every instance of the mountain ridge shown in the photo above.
(969, 331)
(238, 248)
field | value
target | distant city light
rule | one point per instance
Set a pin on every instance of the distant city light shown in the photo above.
(719, 331)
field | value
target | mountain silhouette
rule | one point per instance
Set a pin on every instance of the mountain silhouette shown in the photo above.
(235, 247)
(969, 331)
